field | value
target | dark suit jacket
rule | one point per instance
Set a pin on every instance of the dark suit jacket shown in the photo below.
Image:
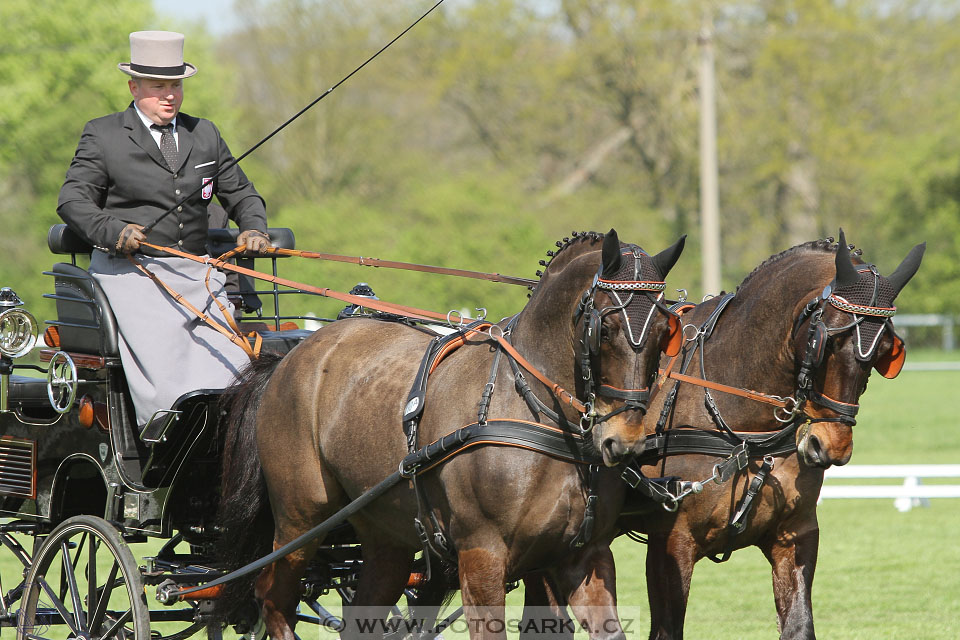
(118, 176)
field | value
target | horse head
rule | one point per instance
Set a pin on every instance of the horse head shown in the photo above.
(839, 336)
(620, 326)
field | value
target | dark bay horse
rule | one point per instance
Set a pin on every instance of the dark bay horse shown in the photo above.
(328, 428)
(804, 329)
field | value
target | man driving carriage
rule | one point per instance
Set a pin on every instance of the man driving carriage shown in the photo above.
(129, 169)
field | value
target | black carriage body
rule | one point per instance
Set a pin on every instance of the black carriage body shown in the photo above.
(53, 467)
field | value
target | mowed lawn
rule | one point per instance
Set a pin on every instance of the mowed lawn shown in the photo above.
(881, 574)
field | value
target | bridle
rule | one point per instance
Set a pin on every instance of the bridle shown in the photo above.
(868, 300)
(870, 319)
(637, 294)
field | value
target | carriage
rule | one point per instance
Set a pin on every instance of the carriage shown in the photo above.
(80, 483)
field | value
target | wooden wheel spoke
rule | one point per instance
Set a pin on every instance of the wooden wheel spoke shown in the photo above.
(111, 605)
(76, 560)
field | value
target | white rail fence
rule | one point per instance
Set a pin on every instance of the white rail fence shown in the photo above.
(910, 493)
(946, 322)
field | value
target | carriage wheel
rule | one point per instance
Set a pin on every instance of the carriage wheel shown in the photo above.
(10, 591)
(84, 583)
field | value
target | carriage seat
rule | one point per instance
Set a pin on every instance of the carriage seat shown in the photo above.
(84, 319)
(85, 322)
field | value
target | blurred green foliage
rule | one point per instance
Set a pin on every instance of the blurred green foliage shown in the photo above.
(495, 128)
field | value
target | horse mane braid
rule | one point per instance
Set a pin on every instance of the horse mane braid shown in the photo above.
(826, 245)
(575, 238)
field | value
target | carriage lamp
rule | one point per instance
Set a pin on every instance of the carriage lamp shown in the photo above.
(18, 332)
(18, 327)
(18, 335)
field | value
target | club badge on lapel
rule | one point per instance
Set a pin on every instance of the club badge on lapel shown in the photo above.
(207, 192)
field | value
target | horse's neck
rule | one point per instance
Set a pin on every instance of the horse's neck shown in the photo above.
(544, 331)
(752, 348)
(746, 349)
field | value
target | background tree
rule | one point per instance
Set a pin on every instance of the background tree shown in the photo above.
(495, 128)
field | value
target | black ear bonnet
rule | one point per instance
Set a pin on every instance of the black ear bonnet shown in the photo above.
(635, 289)
(870, 299)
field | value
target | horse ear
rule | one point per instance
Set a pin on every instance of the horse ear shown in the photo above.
(611, 254)
(901, 276)
(665, 260)
(846, 273)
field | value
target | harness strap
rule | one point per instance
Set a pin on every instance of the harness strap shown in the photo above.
(845, 409)
(634, 395)
(522, 434)
(390, 264)
(555, 388)
(691, 440)
(739, 520)
(737, 391)
(363, 301)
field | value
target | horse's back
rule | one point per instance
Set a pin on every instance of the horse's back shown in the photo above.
(334, 405)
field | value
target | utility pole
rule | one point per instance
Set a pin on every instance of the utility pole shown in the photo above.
(709, 198)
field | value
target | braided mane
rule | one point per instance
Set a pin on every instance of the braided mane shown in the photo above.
(826, 245)
(562, 255)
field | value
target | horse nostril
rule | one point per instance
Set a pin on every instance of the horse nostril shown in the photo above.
(815, 446)
(613, 451)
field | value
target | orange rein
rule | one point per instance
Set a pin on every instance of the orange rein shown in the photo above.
(716, 386)
(390, 264)
(379, 305)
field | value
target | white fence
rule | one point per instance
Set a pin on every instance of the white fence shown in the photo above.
(911, 493)
(906, 320)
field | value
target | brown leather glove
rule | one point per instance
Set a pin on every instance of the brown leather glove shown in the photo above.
(130, 238)
(254, 241)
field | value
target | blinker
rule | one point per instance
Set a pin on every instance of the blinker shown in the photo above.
(594, 326)
(818, 342)
(890, 364)
(671, 342)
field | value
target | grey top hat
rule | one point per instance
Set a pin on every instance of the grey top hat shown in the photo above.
(157, 54)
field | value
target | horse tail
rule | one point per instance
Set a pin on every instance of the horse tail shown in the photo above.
(244, 517)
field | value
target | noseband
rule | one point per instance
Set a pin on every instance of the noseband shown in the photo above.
(869, 321)
(635, 295)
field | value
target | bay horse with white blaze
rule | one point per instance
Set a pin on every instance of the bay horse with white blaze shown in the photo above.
(332, 418)
(805, 329)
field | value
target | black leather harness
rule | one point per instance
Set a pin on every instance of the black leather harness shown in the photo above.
(561, 442)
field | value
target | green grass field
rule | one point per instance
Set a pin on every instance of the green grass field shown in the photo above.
(881, 574)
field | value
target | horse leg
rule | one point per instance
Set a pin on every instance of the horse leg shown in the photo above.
(670, 560)
(425, 603)
(482, 577)
(591, 582)
(544, 614)
(383, 576)
(278, 588)
(793, 559)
